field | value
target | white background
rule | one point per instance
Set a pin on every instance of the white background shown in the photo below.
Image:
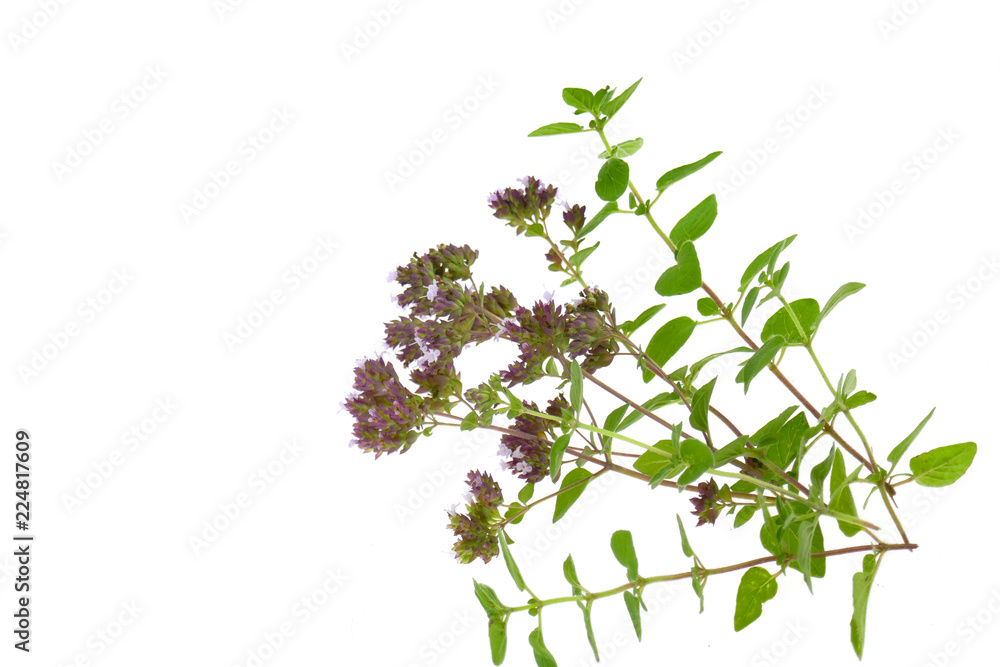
(361, 106)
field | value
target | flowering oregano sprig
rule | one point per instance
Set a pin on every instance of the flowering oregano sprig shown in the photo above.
(790, 476)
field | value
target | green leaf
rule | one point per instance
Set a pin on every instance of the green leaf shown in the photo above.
(556, 455)
(611, 107)
(766, 258)
(698, 458)
(542, 656)
(759, 361)
(677, 174)
(612, 179)
(860, 398)
(498, 639)
(699, 588)
(524, 495)
(578, 98)
(668, 340)
(744, 515)
(579, 258)
(841, 498)
(632, 604)
(602, 215)
(787, 441)
(756, 588)
(685, 545)
(701, 363)
(576, 386)
(707, 307)
(652, 404)
(782, 324)
(652, 462)
(488, 599)
(590, 630)
(515, 573)
(819, 472)
(630, 327)
(842, 293)
(749, 304)
(557, 128)
(696, 222)
(624, 149)
(624, 551)
(566, 499)
(897, 452)
(684, 277)
(807, 529)
(944, 465)
(700, 404)
(862, 589)
(470, 422)
(731, 451)
(614, 418)
(569, 571)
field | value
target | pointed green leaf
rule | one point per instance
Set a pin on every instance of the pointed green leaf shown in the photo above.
(756, 588)
(612, 106)
(685, 545)
(569, 571)
(556, 455)
(630, 327)
(807, 529)
(700, 404)
(576, 386)
(842, 293)
(632, 604)
(699, 589)
(731, 451)
(707, 307)
(763, 260)
(677, 174)
(612, 179)
(590, 630)
(745, 514)
(668, 340)
(578, 98)
(566, 499)
(542, 656)
(655, 403)
(684, 277)
(944, 465)
(696, 222)
(624, 551)
(602, 215)
(524, 495)
(749, 304)
(759, 361)
(579, 258)
(699, 459)
(860, 398)
(515, 573)
(862, 589)
(897, 452)
(624, 149)
(557, 128)
(701, 363)
(498, 639)
(652, 462)
(841, 498)
(488, 599)
(781, 323)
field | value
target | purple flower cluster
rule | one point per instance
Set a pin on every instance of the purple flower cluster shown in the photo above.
(478, 529)
(526, 450)
(523, 207)
(388, 417)
(709, 502)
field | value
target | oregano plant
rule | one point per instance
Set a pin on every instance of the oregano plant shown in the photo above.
(794, 476)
